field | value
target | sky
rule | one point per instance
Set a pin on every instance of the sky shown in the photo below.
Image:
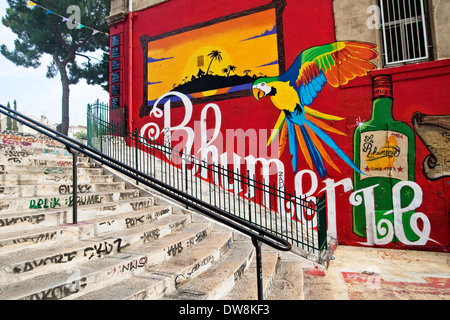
(35, 94)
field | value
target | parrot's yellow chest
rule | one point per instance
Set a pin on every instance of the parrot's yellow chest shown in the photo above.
(286, 98)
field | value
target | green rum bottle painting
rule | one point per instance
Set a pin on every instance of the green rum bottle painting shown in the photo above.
(384, 150)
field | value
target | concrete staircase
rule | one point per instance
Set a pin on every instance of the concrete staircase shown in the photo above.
(129, 242)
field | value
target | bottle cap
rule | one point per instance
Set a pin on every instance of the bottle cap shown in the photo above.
(382, 86)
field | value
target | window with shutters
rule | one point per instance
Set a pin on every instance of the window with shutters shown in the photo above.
(404, 28)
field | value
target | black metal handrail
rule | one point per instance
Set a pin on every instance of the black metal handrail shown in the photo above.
(252, 193)
(257, 234)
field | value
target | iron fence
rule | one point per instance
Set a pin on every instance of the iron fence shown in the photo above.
(243, 194)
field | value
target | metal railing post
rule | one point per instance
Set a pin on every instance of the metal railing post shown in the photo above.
(136, 159)
(74, 185)
(249, 196)
(259, 276)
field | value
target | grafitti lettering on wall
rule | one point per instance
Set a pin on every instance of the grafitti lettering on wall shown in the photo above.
(383, 230)
(306, 181)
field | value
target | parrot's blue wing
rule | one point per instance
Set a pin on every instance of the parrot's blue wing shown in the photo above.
(308, 91)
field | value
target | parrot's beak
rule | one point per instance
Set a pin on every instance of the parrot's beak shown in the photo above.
(258, 93)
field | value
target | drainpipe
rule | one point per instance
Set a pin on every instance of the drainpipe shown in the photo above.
(130, 65)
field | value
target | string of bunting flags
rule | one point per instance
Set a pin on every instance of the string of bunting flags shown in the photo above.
(64, 19)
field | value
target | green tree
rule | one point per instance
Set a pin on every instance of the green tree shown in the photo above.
(40, 32)
(15, 127)
(10, 123)
(8, 119)
(82, 135)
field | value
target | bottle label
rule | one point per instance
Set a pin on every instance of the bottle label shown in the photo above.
(384, 154)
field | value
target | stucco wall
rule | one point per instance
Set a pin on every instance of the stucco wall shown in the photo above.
(351, 19)
(441, 17)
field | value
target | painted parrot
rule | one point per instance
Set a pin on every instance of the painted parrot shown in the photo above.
(293, 92)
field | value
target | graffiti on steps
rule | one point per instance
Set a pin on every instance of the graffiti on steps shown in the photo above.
(33, 219)
(21, 137)
(180, 278)
(105, 248)
(59, 292)
(141, 204)
(68, 189)
(33, 239)
(177, 248)
(45, 203)
(53, 171)
(98, 250)
(149, 236)
(54, 202)
(128, 267)
(136, 221)
(55, 259)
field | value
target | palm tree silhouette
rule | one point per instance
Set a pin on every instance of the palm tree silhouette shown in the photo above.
(231, 69)
(214, 55)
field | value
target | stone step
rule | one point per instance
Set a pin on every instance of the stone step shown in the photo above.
(32, 162)
(34, 204)
(7, 191)
(20, 139)
(218, 280)
(55, 217)
(97, 274)
(288, 281)
(41, 151)
(49, 236)
(15, 155)
(25, 156)
(13, 241)
(165, 277)
(246, 288)
(36, 170)
(60, 189)
(32, 262)
(39, 178)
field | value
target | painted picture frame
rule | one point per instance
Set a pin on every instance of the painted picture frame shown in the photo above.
(217, 59)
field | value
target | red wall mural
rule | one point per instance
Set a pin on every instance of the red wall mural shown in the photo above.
(266, 86)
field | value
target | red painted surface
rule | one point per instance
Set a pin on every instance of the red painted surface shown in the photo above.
(420, 87)
(364, 286)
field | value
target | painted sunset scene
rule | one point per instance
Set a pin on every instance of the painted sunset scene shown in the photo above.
(200, 64)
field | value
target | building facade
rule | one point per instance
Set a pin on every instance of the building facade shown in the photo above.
(343, 98)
